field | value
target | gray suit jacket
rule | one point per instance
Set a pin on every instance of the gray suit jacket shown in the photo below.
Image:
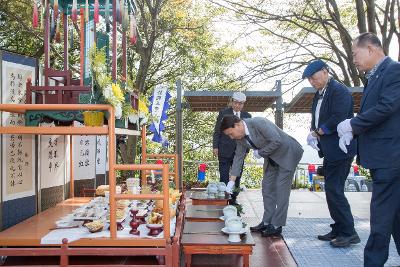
(272, 143)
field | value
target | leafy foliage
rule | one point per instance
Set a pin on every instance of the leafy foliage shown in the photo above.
(365, 172)
(293, 33)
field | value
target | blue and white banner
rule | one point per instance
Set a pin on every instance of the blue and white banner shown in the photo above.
(158, 108)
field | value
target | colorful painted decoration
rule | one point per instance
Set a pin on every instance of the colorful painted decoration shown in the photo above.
(96, 11)
(35, 15)
(55, 8)
(132, 30)
(52, 25)
(42, 11)
(74, 11)
(125, 21)
(58, 33)
(87, 11)
(118, 11)
(122, 10)
(107, 15)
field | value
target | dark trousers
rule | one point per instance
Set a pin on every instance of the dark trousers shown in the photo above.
(336, 173)
(224, 168)
(385, 216)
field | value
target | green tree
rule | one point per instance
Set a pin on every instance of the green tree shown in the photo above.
(299, 31)
(186, 48)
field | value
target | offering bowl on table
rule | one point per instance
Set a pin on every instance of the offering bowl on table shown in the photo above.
(134, 212)
(134, 225)
(155, 229)
(141, 218)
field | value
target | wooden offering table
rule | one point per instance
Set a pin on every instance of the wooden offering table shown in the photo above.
(31, 231)
(202, 198)
(203, 213)
(207, 238)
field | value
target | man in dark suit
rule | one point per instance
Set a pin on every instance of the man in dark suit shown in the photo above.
(281, 154)
(377, 130)
(332, 104)
(223, 146)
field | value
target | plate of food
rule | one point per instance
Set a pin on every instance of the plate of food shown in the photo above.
(154, 218)
(95, 226)
(88, 213)
(119, 214)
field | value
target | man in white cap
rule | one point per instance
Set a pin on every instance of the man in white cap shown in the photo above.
(224, 147)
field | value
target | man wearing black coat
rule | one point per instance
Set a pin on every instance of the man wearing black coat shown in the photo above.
(377, 131)
(224, 147)
(332, 103)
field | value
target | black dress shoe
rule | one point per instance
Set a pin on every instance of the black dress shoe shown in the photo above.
(272, 231)
(259, 228)
(345, 241)
(328, 237)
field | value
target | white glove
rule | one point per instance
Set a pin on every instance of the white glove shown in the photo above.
(230, 186)
(344, 127)
(312, 141)
(345, 141)
(255, 154)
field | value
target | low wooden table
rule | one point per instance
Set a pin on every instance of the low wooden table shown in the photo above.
(207, 238)
(29, 232)
(203, 213)
(202, 198)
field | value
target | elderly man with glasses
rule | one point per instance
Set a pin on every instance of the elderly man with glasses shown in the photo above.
(224, 147)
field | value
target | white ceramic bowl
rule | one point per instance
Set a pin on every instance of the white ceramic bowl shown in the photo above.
(229, 211)
(235, 226)
(232, 219)
(212, 188)
(221, 187)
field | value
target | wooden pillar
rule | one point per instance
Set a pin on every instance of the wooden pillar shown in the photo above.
(112, 180)
(279, 106)
(47, 42)
(144, 154)
(179, 133)
(71, 169)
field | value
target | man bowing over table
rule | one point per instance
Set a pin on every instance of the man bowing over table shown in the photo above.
(281, 154)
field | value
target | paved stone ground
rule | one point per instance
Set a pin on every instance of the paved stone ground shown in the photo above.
(308, 216)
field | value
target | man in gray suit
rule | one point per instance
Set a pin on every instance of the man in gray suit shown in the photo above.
(281, 154)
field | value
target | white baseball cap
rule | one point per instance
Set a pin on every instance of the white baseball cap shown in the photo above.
(239, 96)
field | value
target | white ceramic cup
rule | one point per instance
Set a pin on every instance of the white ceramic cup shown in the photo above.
(235, 226)
(229, 211)
(232, 219)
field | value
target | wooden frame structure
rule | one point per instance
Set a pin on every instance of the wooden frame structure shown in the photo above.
(146, 157)
(112, 245)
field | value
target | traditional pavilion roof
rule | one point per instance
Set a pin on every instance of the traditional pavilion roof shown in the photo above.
(256, 101)
(302, 102)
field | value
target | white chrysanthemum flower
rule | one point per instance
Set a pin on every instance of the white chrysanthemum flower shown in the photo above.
(133, 118)
(118, 111)
(107, 92)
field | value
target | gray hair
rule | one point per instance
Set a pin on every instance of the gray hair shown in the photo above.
(367, 38)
